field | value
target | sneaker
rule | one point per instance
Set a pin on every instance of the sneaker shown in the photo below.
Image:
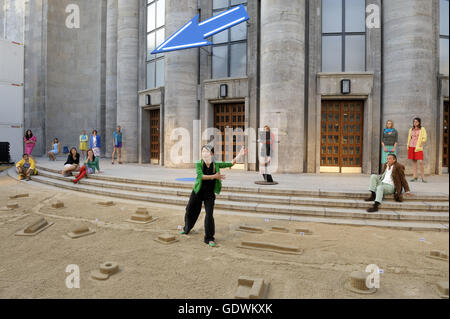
(422, 180)
(212, 243)
(182, 232)
(20, 177)
(414, 179)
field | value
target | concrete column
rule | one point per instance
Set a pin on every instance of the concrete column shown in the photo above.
(111, 74)
(127, 76)
(283, 77)
(181, 69)
(35, 72)
(410, 74)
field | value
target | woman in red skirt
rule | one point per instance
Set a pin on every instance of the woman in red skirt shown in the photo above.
(416, 139)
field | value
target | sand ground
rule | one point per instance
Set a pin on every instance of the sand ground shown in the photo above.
(35, 267)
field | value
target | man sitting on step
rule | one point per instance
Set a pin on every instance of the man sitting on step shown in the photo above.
(391, 181)
(26, 167)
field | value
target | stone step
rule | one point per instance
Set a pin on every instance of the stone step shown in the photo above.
(260, 198)
(292, 210)
(258, 190)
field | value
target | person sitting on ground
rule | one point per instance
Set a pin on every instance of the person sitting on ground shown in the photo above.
(72, 163)
(391, 181)
(89, 167)
(26, 167)
(56, 148)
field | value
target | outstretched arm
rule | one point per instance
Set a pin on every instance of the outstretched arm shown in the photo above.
(242, 152)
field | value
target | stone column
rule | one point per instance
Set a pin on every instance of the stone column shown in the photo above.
(409, 73)
(35, 72)
(111, 74)
(181, 68)
(127, 76)
(283, 77)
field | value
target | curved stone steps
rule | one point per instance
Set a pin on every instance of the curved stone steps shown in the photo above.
(292, 210)
(269, 191)
(326, 202)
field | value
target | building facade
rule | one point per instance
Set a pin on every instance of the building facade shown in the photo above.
(283, 68)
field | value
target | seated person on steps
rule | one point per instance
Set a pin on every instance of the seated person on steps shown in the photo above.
(26, 167)
(391, 181)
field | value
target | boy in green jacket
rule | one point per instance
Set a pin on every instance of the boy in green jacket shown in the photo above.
(207, 184)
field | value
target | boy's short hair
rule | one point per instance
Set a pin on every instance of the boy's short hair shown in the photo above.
(393, 155)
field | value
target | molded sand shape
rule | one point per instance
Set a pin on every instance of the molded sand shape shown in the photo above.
(166, 239)
(106, 270)
(436, 254)
(12, 205)
(251, 288)
(109, 203)
(35, 228)
(80, 232)
(442, 289)
(279, 229)
(249, 229)
(304, 231)
(58, 204)
(357, 283)
(141, 217)
(18, 196)
(271, 247)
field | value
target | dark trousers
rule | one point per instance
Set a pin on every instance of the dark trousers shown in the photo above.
(193, 209)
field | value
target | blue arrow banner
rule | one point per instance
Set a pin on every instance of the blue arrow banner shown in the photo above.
(193, 34)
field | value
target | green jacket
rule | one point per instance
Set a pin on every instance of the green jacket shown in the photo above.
(94, 165)
(199, 169)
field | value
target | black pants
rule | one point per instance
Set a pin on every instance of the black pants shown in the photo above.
(193, 209)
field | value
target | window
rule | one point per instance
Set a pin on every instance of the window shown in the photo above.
(155, 36)
(229, 52)
(343, 35)
(443, 56)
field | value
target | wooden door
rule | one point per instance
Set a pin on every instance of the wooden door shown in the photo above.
(154, 136)
(230, 115)
(446, 137)
(341, 136)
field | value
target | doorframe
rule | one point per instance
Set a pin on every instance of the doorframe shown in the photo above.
(368, 126)
(440, 168)
(208, 122)
(161, 130)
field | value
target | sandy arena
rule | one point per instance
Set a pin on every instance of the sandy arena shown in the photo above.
(35, 267)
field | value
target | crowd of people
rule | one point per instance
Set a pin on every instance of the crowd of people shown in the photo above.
(208, 182)
(89, 148)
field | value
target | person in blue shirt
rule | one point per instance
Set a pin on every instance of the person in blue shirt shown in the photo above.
(95, 143)
(117, 145)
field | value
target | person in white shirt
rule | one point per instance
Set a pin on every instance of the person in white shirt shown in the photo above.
(391, 181)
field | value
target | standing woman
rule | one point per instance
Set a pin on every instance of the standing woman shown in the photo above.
(30, 142)
(389, 141)
(72, 163)
(95, 143)
(84, 144)
(117, 145)
(266, 141)
(207, 184)
(89, 167)
(416, 139)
